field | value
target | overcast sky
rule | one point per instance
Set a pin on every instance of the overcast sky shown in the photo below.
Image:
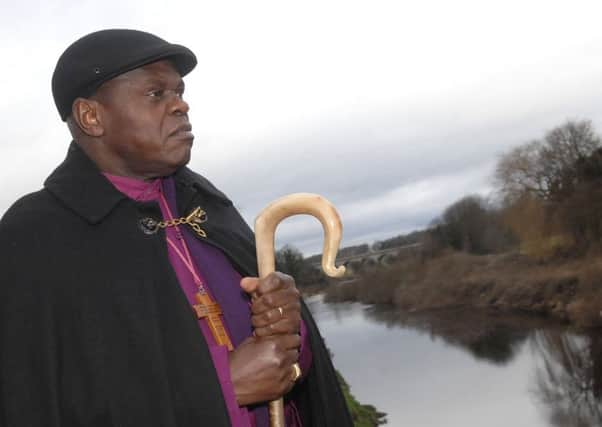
(392, 110)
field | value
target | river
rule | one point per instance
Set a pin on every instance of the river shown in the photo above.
(464, 368)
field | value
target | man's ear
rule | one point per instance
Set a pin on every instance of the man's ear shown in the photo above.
(87, 115)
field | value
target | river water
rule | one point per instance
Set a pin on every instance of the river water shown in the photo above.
(465, 368)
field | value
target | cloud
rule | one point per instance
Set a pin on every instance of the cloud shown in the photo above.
(384, 214)
(388, 109)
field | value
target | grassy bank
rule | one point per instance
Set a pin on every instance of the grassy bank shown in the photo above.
(362, 415)
(570, 290)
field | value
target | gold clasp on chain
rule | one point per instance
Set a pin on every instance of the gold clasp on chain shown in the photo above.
(196, 217)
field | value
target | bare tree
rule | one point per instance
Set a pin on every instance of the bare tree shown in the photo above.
(520, 171)
(547, 168)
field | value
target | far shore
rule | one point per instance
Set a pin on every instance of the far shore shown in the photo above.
(569, 290)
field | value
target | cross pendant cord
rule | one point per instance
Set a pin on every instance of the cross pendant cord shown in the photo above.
(206, 308)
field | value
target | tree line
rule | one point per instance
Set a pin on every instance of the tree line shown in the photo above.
(547, 200)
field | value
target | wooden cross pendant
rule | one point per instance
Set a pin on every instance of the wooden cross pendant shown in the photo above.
(211, 311)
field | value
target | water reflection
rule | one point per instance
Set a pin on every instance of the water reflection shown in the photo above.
(568, 373)
(536, 372)
(568, 380)
(496, 339)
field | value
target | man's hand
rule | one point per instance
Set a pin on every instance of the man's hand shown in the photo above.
(275, 304)
(261, 368)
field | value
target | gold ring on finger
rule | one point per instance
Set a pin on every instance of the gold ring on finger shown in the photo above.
(296, 372)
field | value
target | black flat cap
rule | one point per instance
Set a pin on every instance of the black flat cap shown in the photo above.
(103, 55)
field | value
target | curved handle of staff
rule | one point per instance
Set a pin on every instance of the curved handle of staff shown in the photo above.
(265, 230)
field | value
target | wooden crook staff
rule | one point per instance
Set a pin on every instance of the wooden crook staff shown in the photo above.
(265, 230)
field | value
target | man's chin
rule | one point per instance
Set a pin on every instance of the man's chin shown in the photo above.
(170, 168)
(183, 160)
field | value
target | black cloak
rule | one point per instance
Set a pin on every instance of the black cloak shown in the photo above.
(94, 328)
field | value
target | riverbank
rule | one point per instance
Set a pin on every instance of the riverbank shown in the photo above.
(363, 415)
(570, 290)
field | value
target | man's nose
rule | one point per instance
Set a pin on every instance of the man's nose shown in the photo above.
(178, 105)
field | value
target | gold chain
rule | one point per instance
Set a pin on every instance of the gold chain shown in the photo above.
(196, 217)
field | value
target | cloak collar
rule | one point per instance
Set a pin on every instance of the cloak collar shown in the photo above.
(78, 183)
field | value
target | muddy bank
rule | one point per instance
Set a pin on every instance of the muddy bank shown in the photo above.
(570, 291)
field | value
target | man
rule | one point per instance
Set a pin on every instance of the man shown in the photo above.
(122, 300)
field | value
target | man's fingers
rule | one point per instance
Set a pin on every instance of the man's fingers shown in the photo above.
(274, 281)
(275, 305)
(273, 315)
(249, 284)
(261, 368)
(284, 326)
(287, 342)
(292, 342)
(273, 300)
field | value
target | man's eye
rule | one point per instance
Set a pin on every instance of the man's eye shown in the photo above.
(156, 93)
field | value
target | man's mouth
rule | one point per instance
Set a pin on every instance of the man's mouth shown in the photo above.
(183, 131)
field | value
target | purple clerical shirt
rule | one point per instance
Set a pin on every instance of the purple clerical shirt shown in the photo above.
(222, 282)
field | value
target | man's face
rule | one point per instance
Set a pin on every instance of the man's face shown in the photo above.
(146, 129)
